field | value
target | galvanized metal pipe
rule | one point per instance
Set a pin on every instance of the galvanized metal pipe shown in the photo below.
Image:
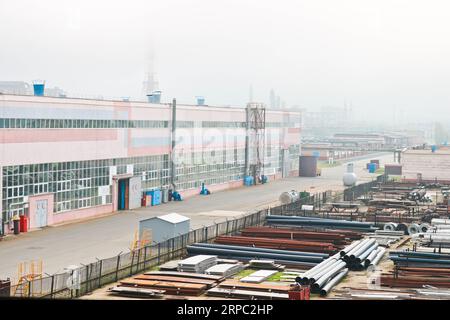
(366, 253)
(378, 257)
(242, 253)
(319, 283)
(333, 282)
(245, 248)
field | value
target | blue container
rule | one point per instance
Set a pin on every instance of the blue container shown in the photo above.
(200, 101)
(156, 196)
(155, 97)
(248, 181)
(433, 148)
(38, 89)
(372, 167)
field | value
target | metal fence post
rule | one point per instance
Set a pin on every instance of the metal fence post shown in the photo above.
(159, 253)
(117, 267)
(52, 286)
(132, 262)
(100, 274)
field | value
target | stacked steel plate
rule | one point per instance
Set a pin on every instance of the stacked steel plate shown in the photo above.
(197, 264)
(225, 269)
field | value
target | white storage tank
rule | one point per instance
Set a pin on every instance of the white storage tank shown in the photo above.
(349, 177)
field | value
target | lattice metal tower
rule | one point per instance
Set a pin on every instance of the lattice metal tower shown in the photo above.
(255, 139)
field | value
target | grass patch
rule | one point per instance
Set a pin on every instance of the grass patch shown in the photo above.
(275, 277)
(244, 273)
(380, 171)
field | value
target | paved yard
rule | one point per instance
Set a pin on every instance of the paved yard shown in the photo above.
(104, 237)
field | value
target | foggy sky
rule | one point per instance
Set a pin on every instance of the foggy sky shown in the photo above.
(381, 54)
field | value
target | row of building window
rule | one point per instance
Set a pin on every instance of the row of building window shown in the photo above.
(22, 123)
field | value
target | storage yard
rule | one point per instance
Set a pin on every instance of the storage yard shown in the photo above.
(366, 247)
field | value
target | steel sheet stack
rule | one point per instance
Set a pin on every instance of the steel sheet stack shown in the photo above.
(225, 269)
(197, 264)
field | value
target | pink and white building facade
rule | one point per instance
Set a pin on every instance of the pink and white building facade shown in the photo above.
(62, 159)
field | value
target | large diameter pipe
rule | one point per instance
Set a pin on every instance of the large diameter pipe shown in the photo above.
(242, 253)
(371, 256)
(326, 288)
(329, 275)
(313, 278)
(363, 248)
(366, 253)
(378, 257)
(347, 249)
(304, 278)
(254, 249)
(347, 257)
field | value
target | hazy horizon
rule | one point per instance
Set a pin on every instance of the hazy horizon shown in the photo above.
(375, 56)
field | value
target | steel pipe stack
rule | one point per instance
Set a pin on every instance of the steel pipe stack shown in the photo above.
(357, 256)
(248, 253)
(321, 223)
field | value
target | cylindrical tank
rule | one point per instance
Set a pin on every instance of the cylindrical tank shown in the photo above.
(289, 197)
(154, 97)
(38, 87)
(349, 177)
(200, 100)
(308, 166)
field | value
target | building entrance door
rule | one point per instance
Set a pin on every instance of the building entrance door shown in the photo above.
(41, 213)
(123, 194)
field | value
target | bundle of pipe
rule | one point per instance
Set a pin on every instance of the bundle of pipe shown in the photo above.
(433, 239)
(249, 253)
(437, 221)
(360, 255)
(324, 276)
(321, 222)
(415, 258)
(284, 244)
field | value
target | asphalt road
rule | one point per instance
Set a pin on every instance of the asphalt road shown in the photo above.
(105, 237)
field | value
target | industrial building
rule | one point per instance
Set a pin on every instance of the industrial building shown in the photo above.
(64, 159)
(427, 165)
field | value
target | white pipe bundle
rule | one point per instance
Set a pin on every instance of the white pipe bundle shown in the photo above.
(437, 221)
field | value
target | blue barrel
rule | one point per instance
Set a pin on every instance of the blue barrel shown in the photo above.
(38, 88)
(200, 101)
(372, 167)
(248, 181)
(433, 148)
